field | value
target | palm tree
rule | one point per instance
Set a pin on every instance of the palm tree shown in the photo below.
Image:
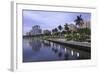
(53, 30)
(56, 30)
(60, 28)
(79, 21)
(66, 27)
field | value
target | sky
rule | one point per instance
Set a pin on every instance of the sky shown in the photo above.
(50, 19)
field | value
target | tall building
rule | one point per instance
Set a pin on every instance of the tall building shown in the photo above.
(36, 30)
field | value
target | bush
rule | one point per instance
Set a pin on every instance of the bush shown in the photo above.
(68, 37)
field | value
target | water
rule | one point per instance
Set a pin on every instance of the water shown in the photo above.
(37, 50)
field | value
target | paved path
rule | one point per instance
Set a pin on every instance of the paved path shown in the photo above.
(86, 44)
(81, 45)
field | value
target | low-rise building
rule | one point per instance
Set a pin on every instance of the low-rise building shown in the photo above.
(72, 27)
(86, 24)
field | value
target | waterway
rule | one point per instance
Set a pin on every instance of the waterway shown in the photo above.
(37, 50)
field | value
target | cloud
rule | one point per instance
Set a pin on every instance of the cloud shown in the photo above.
(49, 20)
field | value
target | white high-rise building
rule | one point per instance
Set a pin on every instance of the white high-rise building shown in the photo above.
(36, 30)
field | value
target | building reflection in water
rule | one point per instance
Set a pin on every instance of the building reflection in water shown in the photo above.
(60, 54)
(46, 43)
(51, 51)
(54, 50)
(72, 52)
(35, 44)
(64, 52)
(78, 54)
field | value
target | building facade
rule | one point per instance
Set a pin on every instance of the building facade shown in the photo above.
(36, 30)
(72, 27)
(86, 24)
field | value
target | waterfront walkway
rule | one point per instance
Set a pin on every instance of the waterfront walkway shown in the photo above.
(79, 45)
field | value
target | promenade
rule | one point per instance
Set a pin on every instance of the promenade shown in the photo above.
(78, 45)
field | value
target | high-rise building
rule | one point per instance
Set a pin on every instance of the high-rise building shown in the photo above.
(36, 30)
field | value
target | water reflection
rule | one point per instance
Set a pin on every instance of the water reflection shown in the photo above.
(46, 43)
(35, 44)
(60, 54)
(42, 50)
(72, 52)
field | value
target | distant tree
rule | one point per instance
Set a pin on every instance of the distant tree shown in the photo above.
(60, 27)
(66, 27)
(47, 32)
(56, 30)
(85, 31)
(53, 30)
(63, 32)
(79, 21)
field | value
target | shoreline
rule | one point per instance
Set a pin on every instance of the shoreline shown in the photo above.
(74, 44)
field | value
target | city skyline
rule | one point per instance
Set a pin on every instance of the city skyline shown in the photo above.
(50, 19)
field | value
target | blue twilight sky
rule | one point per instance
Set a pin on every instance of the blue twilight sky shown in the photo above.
(49, 20)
